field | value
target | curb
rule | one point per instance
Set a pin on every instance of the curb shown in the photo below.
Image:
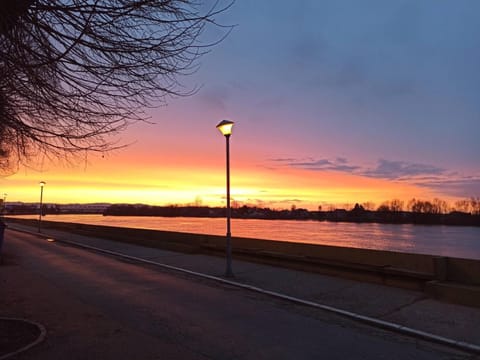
(405, 330)
(41, 337)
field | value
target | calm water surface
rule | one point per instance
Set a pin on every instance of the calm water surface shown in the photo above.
(455, 241)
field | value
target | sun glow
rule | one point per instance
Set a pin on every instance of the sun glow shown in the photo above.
(198, 177)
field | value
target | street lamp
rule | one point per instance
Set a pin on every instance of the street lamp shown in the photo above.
(3, 205)
(225, 127)
(42, 184)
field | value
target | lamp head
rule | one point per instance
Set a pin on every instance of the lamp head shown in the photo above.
(225, 127)
(42, 183)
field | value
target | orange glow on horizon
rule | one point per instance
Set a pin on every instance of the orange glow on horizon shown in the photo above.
(164, 172)
(204, 184)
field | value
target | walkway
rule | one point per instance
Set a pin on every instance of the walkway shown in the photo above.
(392, 305)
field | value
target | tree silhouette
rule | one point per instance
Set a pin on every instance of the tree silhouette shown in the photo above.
(74, 72)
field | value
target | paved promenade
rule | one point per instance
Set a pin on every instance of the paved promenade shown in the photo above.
(393, 306)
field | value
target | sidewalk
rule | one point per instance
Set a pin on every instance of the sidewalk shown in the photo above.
(407, 308)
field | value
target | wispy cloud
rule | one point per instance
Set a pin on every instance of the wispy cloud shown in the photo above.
(338, 164)
(395, 170)
(424, 175)
(283, 160)
(457, 186)
(272, 202)
(384, 169)
(427, 176)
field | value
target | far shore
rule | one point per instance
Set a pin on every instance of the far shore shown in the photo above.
(357, 215)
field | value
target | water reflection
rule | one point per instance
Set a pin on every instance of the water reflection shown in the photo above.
(456, 241)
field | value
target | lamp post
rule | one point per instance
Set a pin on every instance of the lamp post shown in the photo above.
(42, 184)
(225, 127)
(4, 204)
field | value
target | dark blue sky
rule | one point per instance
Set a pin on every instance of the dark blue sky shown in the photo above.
(391, 88)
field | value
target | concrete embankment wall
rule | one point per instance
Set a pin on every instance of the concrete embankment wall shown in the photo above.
(418, 271)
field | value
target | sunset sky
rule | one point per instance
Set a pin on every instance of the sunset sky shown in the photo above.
(334, 102)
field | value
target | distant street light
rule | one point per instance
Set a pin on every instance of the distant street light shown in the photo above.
(42, 184)
(4, 204)
(225, 127)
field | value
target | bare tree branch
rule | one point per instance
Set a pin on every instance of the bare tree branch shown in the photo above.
(75, 72)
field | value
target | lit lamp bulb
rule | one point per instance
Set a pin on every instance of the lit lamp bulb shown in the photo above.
(225, 127)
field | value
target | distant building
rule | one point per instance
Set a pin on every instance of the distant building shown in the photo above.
(97, 208)
(31, 208)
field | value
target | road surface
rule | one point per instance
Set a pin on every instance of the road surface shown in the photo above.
(99, 307)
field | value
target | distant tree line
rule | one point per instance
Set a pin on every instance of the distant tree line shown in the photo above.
(465, 212)
(167, 211)
(394, 215)
(435, 206)
(244, 212)
(424, 212)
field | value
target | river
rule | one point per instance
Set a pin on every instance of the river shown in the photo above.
(453, 241)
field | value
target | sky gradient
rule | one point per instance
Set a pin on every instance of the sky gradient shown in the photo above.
(334, 102)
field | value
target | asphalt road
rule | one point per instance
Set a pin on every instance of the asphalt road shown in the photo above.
(99, 307)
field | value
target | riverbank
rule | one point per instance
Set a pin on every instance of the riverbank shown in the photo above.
(447, 278)
(452, 241)
(358, 214)
(422, 215)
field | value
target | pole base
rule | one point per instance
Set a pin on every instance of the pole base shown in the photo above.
(229, 274)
